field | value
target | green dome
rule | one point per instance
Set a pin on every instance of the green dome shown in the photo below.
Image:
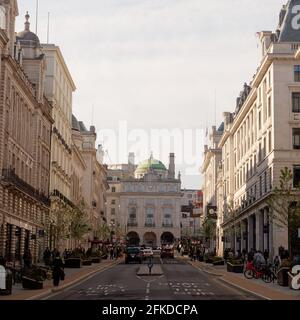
(150, 164)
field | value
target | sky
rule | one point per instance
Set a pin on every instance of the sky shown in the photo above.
(148, 65)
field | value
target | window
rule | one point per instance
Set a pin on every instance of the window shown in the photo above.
(270, 178)
(296, 101)
(297, 73)
(132, 217)
(269, 106)
(167, 217)
(113, 201)
(113, 189)
(259, 120)
(266, 185)
(296, 175)
(270, 141)
(260, 185)
(296, 138)
(259, 152)
(113, 211)
(150, 216)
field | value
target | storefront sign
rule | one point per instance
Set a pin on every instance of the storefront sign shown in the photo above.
(296, 278)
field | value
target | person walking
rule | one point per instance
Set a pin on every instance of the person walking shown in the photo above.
(27, 259)
(58, 270)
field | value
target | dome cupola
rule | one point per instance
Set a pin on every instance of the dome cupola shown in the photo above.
(27, 38)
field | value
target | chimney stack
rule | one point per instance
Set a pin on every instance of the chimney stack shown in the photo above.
(171, 174)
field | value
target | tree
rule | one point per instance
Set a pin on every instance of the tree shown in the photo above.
(284, 204)
(232, 215)
(60, 218)
(104, 232)
(79, 224)
(209, 228)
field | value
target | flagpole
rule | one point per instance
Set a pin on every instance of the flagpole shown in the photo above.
(36, 17)
(48, 27)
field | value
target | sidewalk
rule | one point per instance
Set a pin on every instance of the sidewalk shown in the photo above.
(73, 276)
(268, 291)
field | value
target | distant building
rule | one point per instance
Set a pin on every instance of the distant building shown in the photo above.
(144, 202)
(191, 213)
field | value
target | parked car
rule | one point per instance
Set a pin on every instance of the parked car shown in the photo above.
(167, 253)
(147, 253)
(133, 254)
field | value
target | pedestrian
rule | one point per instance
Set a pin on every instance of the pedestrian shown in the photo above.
(266, 255)
(27, 259)
(250, 256)
(111, 253)
(47, 257)
(58, 270)
(276, 263)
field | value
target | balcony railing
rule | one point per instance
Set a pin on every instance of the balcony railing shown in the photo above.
(10, 177)
(167, 225)
(132, 224)
(149, 224)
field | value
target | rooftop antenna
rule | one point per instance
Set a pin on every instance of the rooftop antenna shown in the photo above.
(215, 107)
(36, 17)
(48, 25)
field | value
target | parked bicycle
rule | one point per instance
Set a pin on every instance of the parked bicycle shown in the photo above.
(265, 272)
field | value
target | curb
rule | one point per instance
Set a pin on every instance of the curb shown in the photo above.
(243, 289)
(221, 278)
(74, 282)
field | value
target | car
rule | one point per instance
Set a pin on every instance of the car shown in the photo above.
(133, 254)
(167, 253)
(147, 253)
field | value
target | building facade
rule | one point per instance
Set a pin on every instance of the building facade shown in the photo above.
(261, 138)
(191, 213)
(25, 140)
(94, 182)
(59, 88)
(144, 202)
(212, 158)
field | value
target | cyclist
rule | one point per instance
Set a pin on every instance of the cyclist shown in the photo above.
(259, 260)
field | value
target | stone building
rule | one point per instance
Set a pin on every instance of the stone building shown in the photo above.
(191, 213)
(94, 183)
(144, 202)
(212, 157)
(25, 139)
(260, 138)
(59, 88)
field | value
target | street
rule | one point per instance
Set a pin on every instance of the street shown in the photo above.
(180, 281)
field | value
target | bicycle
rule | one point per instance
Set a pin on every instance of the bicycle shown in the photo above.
(265, 273)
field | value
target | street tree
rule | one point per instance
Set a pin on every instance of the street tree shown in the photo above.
(79, 222)
(284, 205)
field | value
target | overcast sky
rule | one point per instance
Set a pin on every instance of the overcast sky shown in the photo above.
(156, 63)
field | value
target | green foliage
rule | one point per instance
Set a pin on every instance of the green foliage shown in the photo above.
(284, 205)
(209, 227)
(79, 225)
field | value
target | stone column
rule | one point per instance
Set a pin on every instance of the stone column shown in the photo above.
(259, 230)
(266, 245)
(22, 242)
(242, 236)
(3, 231)
(250, 233)
(13, 242)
